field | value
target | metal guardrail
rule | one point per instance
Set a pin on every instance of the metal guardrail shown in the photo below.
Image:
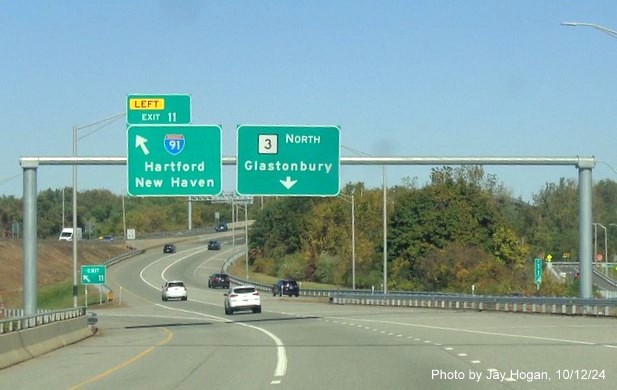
(44, 317)
(175, 234)
(123, 257)
(604, 277)
(538, 305)
(437, 300)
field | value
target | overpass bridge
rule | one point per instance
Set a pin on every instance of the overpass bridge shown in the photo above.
(606, 286)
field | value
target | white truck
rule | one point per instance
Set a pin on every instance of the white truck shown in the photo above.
(67, 234)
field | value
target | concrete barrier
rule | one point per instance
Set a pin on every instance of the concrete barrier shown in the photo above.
(12, 350)
(16, 347)
(75, 330)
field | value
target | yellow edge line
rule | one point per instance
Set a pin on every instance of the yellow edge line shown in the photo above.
(125, 363)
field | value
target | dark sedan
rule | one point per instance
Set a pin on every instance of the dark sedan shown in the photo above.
(214, 245)
(221, 227)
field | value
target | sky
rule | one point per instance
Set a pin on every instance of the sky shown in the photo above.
(400, 78)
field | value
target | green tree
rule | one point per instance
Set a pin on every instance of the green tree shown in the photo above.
(455, 207)
(280, 228)
(556, 218)
(508, 249)
(10, 212)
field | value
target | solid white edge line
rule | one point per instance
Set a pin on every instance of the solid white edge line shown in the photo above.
(281, 364)
(281, 353)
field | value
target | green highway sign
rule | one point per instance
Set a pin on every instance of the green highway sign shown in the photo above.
(288, 160)
(181, 160)
(158, 109)
(538, 270)
(93, 274)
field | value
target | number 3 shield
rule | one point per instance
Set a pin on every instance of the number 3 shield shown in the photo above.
(174, 143)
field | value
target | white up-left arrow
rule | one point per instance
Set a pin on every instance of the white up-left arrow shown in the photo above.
(140, 142)
(85, 278)
(288, 183)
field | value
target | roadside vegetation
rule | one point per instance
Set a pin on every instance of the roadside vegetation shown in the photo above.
(101, 213)
(54, 268)
(60, 295)
(460, 231)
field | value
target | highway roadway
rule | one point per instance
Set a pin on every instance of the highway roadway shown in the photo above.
(307, 343)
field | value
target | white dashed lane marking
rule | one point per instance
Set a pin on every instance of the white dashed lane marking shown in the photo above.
(416, 339)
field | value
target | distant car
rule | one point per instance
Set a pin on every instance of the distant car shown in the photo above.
(221, 227)
(218, 280)
(174, 289)
(286, 287)
(169, 248)
(242, 298)
(214, 245)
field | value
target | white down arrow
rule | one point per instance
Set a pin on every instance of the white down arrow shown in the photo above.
(288, 183)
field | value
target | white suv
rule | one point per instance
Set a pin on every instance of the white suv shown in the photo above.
(242, 298)
(173, 289)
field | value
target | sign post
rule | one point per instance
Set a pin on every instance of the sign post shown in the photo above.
(288, 160)
(182, 160)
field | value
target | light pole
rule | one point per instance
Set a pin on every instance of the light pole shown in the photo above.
(613, 34)
(605, 30)
(385, 220)
(595, 224)
(75, 139)
(353, 238)
(63, 220)
(236, 203)
(595, 240)
(385, 233)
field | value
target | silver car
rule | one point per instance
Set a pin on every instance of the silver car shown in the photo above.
(173, 289)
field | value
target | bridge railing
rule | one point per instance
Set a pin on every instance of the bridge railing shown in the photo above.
(14, 320)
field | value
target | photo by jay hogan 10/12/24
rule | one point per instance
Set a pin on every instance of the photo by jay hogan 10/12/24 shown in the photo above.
(515, 375)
